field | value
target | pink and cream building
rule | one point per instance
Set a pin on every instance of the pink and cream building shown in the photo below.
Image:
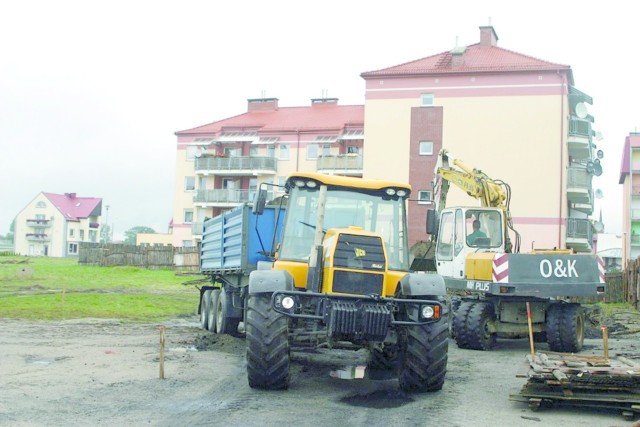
(518, 118)
(515, 117)
(630, 180)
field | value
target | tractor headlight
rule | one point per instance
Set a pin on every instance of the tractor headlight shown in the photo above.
(427, 312)
(401, 193)
(299, 183)
(312, 184)
(390, 191)
(287, 303)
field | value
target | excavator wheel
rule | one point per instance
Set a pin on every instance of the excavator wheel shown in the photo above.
(423, 356)
(480, 315)
(267, 345)
(459, 324)
(565, 327)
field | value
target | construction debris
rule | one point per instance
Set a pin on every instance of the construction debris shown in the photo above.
(592, 381)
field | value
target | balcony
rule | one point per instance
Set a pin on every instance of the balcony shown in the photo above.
(37, 237)
(236, 166)
(579, 138)
(579, 235)
(586, 208)
(341, 164)
(39, 223)
(222, 198)
(635, 240)
(579, 188)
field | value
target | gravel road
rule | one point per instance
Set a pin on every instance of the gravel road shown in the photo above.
(106, 373)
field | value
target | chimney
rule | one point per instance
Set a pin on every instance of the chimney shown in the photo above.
(324, 101)
(262, 104)
(488, 36)
(70, 195)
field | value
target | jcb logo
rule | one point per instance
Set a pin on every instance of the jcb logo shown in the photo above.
(360, 252)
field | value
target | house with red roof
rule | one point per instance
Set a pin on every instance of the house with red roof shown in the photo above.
(517, 118)
(221, 164)
(55, 224)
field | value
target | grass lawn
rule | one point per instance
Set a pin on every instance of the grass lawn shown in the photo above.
(59, 288)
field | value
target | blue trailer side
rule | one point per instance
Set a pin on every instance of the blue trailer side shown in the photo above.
(232, 245)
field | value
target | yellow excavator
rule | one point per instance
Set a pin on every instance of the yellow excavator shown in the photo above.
(490, 280)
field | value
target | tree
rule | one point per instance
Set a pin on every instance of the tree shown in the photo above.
(105, 234)
(130, 234)
(9, 235)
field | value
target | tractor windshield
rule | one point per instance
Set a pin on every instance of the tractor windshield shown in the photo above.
(373, 212)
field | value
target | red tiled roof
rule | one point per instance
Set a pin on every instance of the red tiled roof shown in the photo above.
(317, 117)
(476, 58)
(74, 208)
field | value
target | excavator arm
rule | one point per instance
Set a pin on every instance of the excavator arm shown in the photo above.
(491, 193)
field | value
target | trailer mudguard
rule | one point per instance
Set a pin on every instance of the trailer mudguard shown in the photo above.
(414, 284)
(268, 281)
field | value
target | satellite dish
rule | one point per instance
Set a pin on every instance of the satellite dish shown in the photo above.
(590, 166)
(600, 154)
(598, 227)
(581, 110)
(597, 169)
(599, 194)
(596, 161)
(599, 136)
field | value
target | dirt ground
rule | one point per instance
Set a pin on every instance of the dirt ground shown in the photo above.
(101, 372)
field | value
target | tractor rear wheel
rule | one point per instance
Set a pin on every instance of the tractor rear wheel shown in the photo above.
(267, 336)
(213, 309)
(423, 352)
(225, 324)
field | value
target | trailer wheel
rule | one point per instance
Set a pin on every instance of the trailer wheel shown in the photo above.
(479, 336)
(459, 329)
(565, 327)
(267, 345)
(224, 323)
(213, 310)
(204, 309)
(423, 352)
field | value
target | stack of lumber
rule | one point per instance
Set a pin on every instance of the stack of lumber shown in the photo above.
(593, 381)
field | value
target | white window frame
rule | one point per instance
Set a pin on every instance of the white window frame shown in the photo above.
(283, 152)
(312, 151)
(423, 148)
(422, 200)
(184, 216)
(427, 100)
(188, 179)
(73, 248)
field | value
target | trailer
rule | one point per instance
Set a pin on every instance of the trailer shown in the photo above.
(233, 245)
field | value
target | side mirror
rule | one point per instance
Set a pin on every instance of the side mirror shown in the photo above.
(260, 201)
(432, 222)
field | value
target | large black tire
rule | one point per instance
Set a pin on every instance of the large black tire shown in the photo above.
(459, 324)
(224, 323)
(267, 345)
(204, 309)
(423, 353)
(565, 327)
(471, 324)
(213, 310)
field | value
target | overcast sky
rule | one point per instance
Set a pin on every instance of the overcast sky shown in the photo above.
(91, 93)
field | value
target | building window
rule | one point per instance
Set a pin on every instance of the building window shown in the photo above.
(73, 248)
(82, 235)
(426, 100)
(424, 197)
(203, 183)
(188, 216)
(232, 152)
(271, 151)
(352, 149)
(41, 204)
(326, 150)
(284, 152)
(312, 151)
(426, 148)
(187, 243)
(93, 236)
(189, 183)
(191, 152)
(71, 231)
(253, 152)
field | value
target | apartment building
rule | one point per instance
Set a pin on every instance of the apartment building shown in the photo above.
(55, 224)
(630, 180)
(517, 118)
(221, 164)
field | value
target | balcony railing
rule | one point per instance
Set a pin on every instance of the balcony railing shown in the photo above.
(579, 234)
(223, 196)
(341, 164)
(37, 237)
(40, 223)
(579, 185)
(236, 165)
(635, 240)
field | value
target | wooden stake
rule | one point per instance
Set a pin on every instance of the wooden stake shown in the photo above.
(533, 351)
(605, 342)
(161, 352)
